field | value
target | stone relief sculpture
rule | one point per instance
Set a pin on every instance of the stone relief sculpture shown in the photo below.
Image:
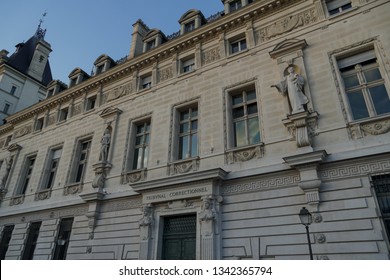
(207, 213)
(292, 85)
(145, 222)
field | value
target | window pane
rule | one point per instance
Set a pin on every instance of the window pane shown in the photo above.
(146, 153)
(254, 133)
(194, 113)
(194, 125)
(135, 159)
(251, 95)
(372, 75)
(252, 109)
(358, 105)
(183, 147)
(184, 127)
(194, 145)
(239, 134)
(184, 115)
(237, 99)
(351, 81)
(243, 45)
(238, 112)
(140, 129)
(380, 98)
(139, 140)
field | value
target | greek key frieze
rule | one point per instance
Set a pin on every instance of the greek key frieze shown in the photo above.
(261, 184)
(356, 169)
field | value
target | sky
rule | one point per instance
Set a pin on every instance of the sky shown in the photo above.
(79, 31)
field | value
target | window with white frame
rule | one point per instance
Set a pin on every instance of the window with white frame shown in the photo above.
(364, 85)
(146, 82)
(245, 117)
(51, 169)
(237, 45)
(188, 64)
(187, 132)
(26, 174)
(337, 6)
(80, 160)
(141, 142)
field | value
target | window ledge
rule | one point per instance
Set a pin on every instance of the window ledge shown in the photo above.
(245, 153)
(17, 199)
(134, 176)
(183, 166)
(371, 126)
(237, 53)
(43, 194)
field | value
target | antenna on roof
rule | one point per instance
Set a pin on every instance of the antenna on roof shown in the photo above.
(41, 32)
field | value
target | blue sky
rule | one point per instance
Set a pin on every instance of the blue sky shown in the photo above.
(79, 31)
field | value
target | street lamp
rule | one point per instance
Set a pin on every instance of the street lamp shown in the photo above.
(306, 220)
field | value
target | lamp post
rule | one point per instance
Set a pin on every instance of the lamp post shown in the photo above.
(306, 220)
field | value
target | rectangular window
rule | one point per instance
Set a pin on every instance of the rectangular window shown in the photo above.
(6, 108)
(188, 133)
(338, 6)
(141, 146)
(235, 5)
(146, 82)
(50, 93)
(63, 115)
(90, 103)
(28, 168)
(81, 160)
(237, 46)
(381, 184)
(188, 27)
(150, 44)
(62, 240)
(5, 239)
(52, 167)
(245, 118)
(99, 69)
(188, 65)
(39, 124)
(31, 241)
(364, 85)
(13, 90)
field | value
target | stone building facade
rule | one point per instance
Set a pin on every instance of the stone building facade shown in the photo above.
(207, 143)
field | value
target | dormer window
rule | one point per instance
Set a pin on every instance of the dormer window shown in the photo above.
(103, 63)
(50, 93)
(188, 27)
(151, 45)
(73, 82)
(235, 5)
(191, 20)
(99, 69)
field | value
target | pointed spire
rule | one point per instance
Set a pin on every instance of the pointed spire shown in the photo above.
(40, 33)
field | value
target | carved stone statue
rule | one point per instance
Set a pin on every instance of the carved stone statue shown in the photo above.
(146, 219)
(292, 85)
(207, 213)
(105, 144)
(8, 165)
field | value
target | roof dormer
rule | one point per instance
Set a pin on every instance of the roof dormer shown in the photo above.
(55, 87)
(77, 76)
(234, 5)
(103, 63)
(152, 39)
(191, 20)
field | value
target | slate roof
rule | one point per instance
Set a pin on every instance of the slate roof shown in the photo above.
(21, 59)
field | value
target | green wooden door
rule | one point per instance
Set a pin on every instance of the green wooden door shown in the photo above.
(179, 238)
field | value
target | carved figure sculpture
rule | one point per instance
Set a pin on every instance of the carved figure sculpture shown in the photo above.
(207, 212)
(292, 85)
(8, 165)
(105, 145)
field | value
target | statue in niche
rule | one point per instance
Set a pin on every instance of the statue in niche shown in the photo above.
(146, 219)
(293, 86)
(105, 144)
(8, 165)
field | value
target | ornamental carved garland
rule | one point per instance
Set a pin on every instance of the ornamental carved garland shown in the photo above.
(165, 74)
(287, 24)
(119, 92)
(211, 56)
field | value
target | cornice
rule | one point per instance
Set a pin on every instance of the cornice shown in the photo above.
(205, 33)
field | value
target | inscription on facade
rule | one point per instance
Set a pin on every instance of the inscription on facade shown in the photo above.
(176, 194)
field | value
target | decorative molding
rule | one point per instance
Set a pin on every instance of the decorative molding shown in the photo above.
(118, 92)
(73, 189)
(287, 24)
(128, 203)
(27, 129)
(183, 166)
(354, 169)
(211, 55)
(245, 153)
(134, 176)
(262, 184)
(165, 74)
(16, 200)
(370, 127)
(43, 194)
